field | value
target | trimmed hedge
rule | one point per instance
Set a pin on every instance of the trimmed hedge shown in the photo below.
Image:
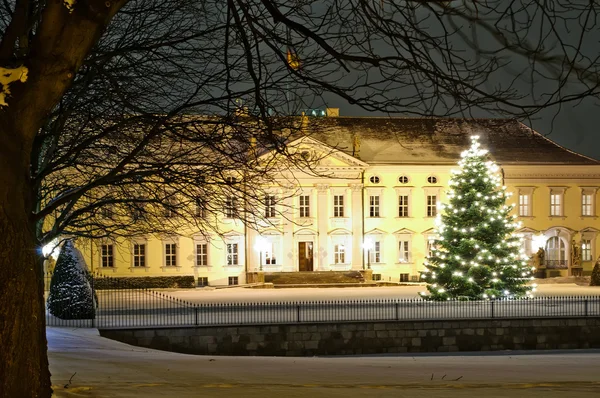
(145, 282)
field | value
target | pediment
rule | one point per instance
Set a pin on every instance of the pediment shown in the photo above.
(376, 231)
(325, 155)
(340, 231)
(527, 230)
(305, 232)
(232, 234)
(404, 231)
(590, 229)
(270, 232)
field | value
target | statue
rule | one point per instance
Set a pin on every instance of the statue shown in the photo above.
(575, 254)
(538, 258)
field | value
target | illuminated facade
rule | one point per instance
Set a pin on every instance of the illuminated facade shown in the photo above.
(375, 203)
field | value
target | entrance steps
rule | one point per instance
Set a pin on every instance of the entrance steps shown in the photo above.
(284, 279)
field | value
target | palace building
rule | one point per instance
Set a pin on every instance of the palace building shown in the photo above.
(374, 204)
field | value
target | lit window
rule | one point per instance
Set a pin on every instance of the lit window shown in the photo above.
(305, 206)
(431, 205)
(269, 206)
(374, 206)
(556, 204)
(139, 255)
(586, 250)
(338, 205)
(232, 254)
(200, 208)
(524, 200)
(339, 254)
(403, 206)
(268, 254)
(403, 251)
(375, 252)
(586, 204)
(201, 254)
(230, 207)
(107, 256)
(170, 255)
(432, 179)
(430, 246)
(170, 206)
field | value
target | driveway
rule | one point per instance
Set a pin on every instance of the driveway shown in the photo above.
(84, 364)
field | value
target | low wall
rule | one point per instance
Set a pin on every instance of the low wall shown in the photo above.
(368, 337)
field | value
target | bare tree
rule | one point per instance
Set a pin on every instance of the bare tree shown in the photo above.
(103, 109)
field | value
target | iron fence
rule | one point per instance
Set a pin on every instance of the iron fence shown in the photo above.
(125, 307)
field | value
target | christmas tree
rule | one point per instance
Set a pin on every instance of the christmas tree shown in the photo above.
(477, 254)
(71, 295)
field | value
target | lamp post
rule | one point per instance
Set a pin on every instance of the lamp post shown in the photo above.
(260, 246)
(368, 245)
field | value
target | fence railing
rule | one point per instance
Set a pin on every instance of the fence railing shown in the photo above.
(139, 307)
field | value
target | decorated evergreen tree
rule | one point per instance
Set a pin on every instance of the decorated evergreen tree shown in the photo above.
(70, 291)
(477, 254)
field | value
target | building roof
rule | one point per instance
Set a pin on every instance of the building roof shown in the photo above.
(383, 140)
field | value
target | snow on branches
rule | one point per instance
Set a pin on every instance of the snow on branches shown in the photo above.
(8, 76)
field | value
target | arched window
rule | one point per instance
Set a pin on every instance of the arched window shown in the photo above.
(556, 255)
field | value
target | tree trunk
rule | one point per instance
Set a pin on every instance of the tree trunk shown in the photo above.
(23, 348)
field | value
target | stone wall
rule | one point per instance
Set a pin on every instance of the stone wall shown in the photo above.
(369, 337)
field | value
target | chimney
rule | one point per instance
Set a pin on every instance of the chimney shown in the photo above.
(332, 112)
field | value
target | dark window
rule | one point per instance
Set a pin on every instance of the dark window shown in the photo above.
(403, 180)
(403, 277)
(432, 179)
(233, 280)
(374, 180)
(139, 255)
(107, 254)
(202, 281)
(376, 277)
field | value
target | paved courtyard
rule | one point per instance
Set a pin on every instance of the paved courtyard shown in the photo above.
(233, 295)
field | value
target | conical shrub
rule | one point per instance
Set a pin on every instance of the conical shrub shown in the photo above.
(71, 295)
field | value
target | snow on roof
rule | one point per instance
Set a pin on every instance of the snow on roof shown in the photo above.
(440, 140)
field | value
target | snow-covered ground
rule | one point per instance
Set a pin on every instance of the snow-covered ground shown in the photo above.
(131, 308)
(105, 368)
(232, 295)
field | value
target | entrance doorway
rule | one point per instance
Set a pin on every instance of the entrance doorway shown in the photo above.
(305, 256)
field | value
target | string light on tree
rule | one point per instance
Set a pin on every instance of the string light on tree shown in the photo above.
(477, 255)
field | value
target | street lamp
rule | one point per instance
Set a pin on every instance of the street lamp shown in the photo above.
(261, 245)
(368, 245)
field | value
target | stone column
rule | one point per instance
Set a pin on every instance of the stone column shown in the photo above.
(252, 260)
(322, 263)
(289, 262)
(357, 218)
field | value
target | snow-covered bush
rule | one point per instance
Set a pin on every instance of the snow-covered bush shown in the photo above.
(71, 295)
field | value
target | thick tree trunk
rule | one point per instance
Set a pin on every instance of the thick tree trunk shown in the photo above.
(23, 359)
(59, 46)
